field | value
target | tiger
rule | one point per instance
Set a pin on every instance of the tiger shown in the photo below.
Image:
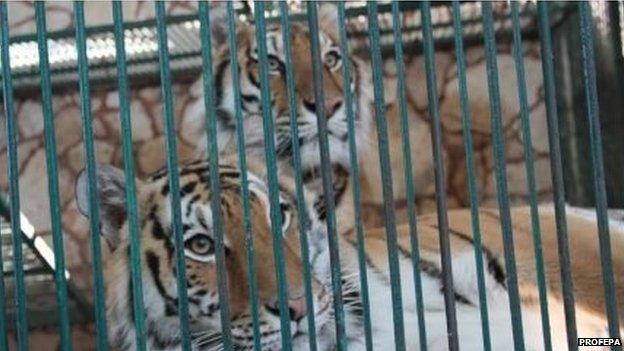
(159, 278)
(334, 105)
(591, 320)
(157, 256)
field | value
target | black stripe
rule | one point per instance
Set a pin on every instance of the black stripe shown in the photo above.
(250, 76)
(425, 266)
(369, 261)
(219, 74)
(153, 264)
(250, 98)
(188, 188)
(432, 270)
(192, 201)
(493, 266)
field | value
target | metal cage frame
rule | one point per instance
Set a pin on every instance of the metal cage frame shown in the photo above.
(120, 31)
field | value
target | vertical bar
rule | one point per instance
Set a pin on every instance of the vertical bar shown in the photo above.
(439, 175)
(4, 341)
(407, 168)
(501, 174)
(13, 174)
(128, 160)
(271, 164)
(472, 176)
(530, 174)
(355, 175)
(242, 163)
(172, 169)
(591, 99)
(215, 188)
(386, 177)
(557, 173)
(326, 175)
(303, 219)
(89, 155)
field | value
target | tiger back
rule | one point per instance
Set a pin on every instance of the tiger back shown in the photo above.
(586, 272)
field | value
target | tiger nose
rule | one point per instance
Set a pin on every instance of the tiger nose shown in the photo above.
(297, 308)
(332, 104)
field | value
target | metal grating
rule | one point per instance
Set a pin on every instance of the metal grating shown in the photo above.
(185, 46)
(38, 263)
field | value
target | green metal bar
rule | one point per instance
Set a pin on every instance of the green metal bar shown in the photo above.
(473, 190)
(4, 341)
(89, 154)
(440, 177)
(271, 165)
(326, 176)
(242, 163)
(407, 168)
(215, 179)
(21, 320)
(304, 221)
(128, 160)
(500, 168)
(355, 176)
(386, 177)
(557, 173)
(529, 160)
(591, 100)
(172, 168)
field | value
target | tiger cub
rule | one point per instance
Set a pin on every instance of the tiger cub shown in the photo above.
(334, 89)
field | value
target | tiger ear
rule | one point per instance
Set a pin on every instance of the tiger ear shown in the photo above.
(218, 23)
(111, 197)
(328, 19)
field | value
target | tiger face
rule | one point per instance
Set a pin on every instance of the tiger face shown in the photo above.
(158, 259)
(335, 110)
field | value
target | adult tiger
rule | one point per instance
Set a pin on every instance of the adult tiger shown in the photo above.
(162, 329)
(159, 279)
(586, 271)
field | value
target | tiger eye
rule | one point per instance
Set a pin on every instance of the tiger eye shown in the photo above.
(201, 245)
(332, 59)
(274, 63)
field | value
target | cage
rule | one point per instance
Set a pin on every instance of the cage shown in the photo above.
(474, 146)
